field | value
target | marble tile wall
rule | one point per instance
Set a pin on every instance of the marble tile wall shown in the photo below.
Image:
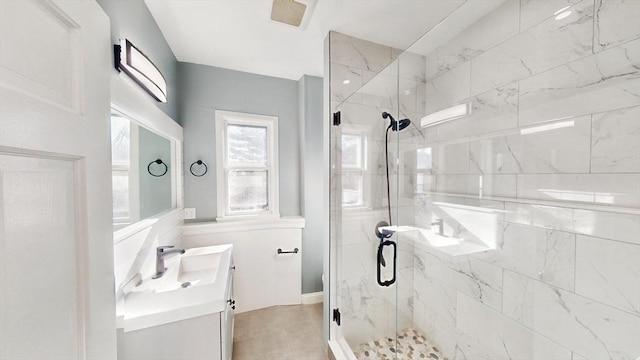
(545, 172)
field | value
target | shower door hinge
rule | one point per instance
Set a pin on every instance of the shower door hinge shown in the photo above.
(336, 316)
(336, 118)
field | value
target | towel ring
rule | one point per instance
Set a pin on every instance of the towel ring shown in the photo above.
(199, 162)
(159, 161)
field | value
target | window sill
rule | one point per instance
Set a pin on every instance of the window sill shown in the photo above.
(262, 223)
(249, 217)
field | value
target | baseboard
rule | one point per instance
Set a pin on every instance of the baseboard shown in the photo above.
(312, 298)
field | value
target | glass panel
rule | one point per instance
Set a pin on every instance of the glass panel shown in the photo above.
(352, 189)
(424, 159)
(351, 151)
(120, 140)
(120, 181)
(248, 191)
(247, 144)
(137, 194)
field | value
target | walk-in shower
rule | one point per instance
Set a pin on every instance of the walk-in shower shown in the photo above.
(503, 222)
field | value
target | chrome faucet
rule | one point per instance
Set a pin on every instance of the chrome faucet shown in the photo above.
(440, 223)
(161, 252)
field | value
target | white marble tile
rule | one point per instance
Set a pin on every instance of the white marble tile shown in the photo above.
(449, 88)
(381, 91)
(407, 96)
(578, 323)
(616, 21)
(363, 118)
(341, 91)
(548, 217)
(477, 185)
(543, 254)
(496, 27)
(609, 271)
(354, 264)
(478, 279)
(358, 53)
(496, 185)
(491, 111)
(437, 297)
(452, 343)
(608, 225)
(615, 143)
(494, 110)
(533, 12)
(452, 157)
(578, 357)
(502, 337)
(358, 328)
(598, 83)
(431, 63)
(542, 47)
(606, 189)
(412, 66)
(563, 150)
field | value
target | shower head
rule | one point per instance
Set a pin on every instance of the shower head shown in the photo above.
(401, 125)
(396, 125)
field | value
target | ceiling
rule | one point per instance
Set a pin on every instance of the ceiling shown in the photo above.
(239, 34)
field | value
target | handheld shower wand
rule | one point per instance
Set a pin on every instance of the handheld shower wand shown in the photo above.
(385, 234)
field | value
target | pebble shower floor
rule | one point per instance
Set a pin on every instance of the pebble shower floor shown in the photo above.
(411, 345)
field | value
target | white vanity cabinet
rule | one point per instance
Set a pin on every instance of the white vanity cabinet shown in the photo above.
(207, 336)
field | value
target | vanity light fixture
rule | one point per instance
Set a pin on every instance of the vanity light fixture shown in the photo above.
(346, 82)
(138, 66)
(448, 114)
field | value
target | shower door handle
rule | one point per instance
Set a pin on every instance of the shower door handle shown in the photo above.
(382, 263)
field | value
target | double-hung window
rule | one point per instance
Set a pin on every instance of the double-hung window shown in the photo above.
(354, 166)
(247, 165)
(124, 172)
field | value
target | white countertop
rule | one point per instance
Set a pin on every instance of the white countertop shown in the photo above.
(159, 301)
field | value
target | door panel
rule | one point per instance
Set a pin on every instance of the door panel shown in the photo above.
(57, 239)
(39, 232)
(46, 32)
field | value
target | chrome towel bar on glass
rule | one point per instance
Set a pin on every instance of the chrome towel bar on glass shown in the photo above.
(294, 251)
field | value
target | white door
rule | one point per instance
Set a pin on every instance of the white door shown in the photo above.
(56, 250)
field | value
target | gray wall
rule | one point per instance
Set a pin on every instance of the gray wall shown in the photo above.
(310, 89)
(205, 89)
(132, 20)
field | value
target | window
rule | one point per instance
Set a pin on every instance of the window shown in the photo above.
(354, 149)
(424, 165)
(123, 174)
(247, 166)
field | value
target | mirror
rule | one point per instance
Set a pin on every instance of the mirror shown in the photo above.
(142, 172)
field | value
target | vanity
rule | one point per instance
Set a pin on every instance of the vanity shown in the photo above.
(185, 314)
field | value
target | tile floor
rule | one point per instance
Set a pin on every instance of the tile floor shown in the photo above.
(279, 333)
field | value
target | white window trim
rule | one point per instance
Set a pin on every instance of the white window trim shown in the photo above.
(364, 134)
(222, 120)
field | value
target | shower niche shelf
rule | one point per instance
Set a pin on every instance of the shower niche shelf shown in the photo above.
(449, 245)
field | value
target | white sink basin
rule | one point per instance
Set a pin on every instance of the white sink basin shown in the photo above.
(194, 284)
(198, 267)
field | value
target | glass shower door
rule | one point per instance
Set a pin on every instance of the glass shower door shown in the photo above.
(370, 261)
